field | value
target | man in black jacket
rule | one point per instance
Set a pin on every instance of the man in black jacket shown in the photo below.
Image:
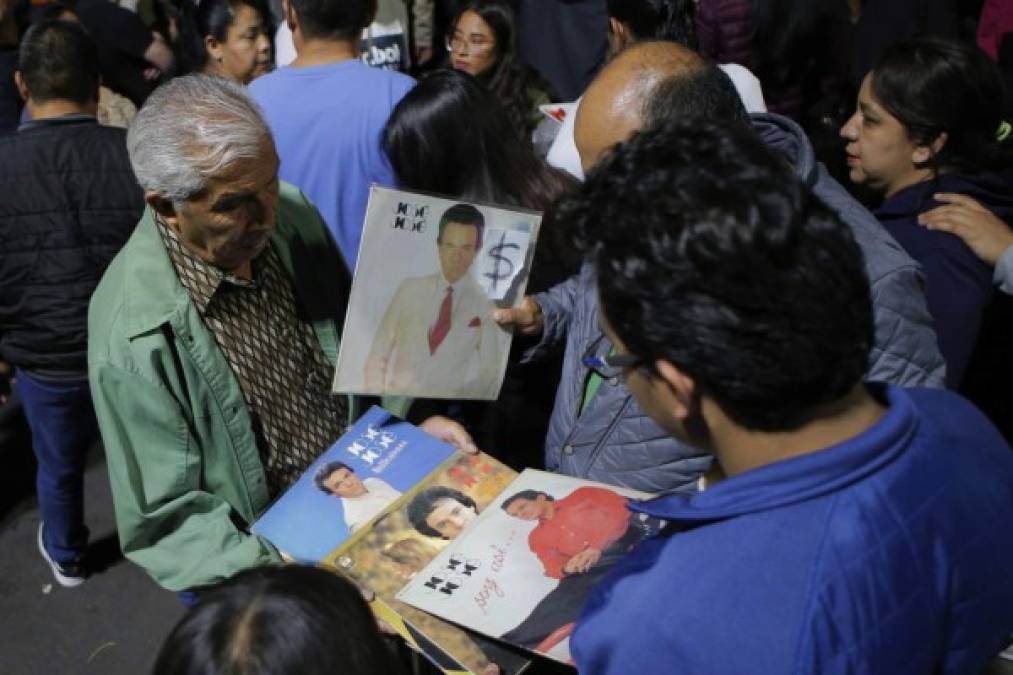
(68, 202)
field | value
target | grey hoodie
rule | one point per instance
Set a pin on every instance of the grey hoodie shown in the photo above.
(615, 442)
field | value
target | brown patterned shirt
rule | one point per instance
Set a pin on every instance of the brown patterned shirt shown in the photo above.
(282, 370)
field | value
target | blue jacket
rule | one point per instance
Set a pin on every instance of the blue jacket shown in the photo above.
(958, 285)
(889, 553)
(614, 442)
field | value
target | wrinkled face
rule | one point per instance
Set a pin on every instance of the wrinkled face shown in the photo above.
(879, 152)
(527, 509)
(457, 246)
(230, 222)
(344, 483)
(450, 517)
(472, 44)
(246, 51)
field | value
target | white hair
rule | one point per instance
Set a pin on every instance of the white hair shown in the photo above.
(190, 129)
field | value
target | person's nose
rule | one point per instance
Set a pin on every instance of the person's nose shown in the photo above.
(263, 44)
(262, 212)
(850, 129)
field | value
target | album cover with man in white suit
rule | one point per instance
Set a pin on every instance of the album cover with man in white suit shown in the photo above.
(430, 273)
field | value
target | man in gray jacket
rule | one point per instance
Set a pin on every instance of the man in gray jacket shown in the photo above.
(597, 430)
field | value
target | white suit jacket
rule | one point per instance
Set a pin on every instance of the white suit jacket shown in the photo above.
(466, 364)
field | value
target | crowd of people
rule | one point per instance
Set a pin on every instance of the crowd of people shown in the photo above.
(775, 248)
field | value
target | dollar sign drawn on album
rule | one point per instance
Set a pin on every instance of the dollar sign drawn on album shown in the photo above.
(496, 253)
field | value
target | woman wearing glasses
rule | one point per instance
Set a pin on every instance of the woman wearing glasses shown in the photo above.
(483, 43)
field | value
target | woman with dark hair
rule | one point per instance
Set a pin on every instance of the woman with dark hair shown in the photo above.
(798, 48)
(228, 38)
(482, 42)
(929, 120)
(275, 621)
(450, 136)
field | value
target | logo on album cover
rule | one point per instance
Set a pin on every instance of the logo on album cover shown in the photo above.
(411, 217)
(371, 444)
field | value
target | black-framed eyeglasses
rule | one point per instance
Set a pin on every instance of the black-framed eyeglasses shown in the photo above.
(608, 366)
(476, 45)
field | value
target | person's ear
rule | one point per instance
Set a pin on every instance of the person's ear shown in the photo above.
(922, 154)
(164, 208)
(214, 49)
(618, 35)
(685, 396)
(19, 82)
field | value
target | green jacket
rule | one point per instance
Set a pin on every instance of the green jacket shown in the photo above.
(187, 479)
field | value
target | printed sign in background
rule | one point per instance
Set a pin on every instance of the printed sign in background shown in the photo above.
(384, 42)
(384, 47)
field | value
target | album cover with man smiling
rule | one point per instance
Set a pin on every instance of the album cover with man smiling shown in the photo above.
(523, 569)
(430, 273)
(378, 506)
(364, 473)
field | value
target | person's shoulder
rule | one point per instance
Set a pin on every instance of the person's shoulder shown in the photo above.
(400, 80)
(262, 88)
(395, 77)
(106, 308)
(379, 483)
(372, 84)
(296, 209)
(418, 284)
(10, 144)
(390, 86)
(594, 491)
(85, 139)
(109, 141)
(949, 413)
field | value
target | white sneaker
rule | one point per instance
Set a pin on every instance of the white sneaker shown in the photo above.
(67, 575)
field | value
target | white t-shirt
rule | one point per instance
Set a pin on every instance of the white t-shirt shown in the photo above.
(359, 510)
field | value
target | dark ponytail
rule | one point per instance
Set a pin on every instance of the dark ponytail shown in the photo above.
(935, 86)
(197, 21)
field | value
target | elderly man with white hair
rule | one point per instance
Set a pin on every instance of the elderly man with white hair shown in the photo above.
(213, 335)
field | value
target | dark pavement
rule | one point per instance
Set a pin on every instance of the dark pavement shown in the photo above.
(114, 623)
